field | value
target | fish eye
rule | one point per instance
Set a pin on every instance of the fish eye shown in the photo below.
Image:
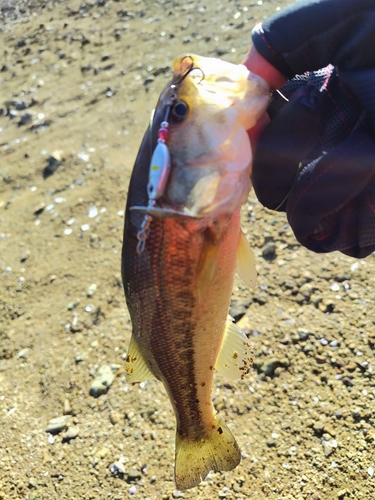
(180, 110)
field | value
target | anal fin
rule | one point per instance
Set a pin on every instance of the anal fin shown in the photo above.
(236, 355)
(135, 366)
(218, 451)
(246, 268)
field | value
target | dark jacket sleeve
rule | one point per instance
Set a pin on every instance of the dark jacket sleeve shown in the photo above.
(310, 34)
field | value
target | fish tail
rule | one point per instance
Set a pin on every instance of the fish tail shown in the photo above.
(218, 451)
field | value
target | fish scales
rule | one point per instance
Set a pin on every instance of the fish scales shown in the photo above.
(180, 252)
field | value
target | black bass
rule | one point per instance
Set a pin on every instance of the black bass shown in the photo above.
(182, 246)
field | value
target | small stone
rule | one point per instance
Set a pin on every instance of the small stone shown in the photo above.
(102, 453)
(39, 208)
(304, 334)
(114, 417)
(73, 304)
(81, 356)
(318, 427)
(370, 472)
(53, 162)
(71, 433)
(328, 427)
(25, 118)
(326, 306)
(269, 250)
(25, 256)
(341, 494)
(91, 290)
(132, 490)
(133, 475)
(347, 381)
(67, 408)
(118, 467)
(328, 448)
(22, 354)
(105, 376)
(320, 359)
(58, 424)
(94, 238)
(92, 212)
(33, 483)
(306, 290)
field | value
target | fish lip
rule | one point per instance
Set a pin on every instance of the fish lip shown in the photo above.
(162, 212)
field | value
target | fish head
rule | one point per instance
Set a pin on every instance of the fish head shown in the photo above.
(201, 118)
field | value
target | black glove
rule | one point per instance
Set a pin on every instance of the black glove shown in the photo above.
(316, 159)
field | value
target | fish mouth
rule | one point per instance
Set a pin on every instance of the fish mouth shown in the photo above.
(163, 212)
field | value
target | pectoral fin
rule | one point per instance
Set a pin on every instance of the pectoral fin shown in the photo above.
(246, 269)
(135, 366)
(236, 356)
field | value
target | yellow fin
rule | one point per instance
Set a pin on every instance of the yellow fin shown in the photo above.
(218, 451)
(236, 355)
(135, 366)
(246, 269)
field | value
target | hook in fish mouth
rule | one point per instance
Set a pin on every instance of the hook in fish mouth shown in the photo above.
(160, 161)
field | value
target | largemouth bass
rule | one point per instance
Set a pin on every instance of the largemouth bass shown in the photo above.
(182, 246)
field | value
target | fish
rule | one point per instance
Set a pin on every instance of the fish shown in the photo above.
(182, 245)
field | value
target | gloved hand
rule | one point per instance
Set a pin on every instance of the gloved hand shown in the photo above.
(316, 158)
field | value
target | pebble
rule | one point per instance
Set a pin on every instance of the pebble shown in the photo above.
(115, 417)
(370, 471)
(22, 354)
(39, 208)
(320, 359)
(58, 424)
(33, 483)
(105, 376)
(91, 290)
(118, 467)
(85, 227)
(132, 490)
(73, 304)
(133, 475)
(53, 162)
(71, 433)
(67, 408)
(92, 212)
(25, 255)
(329, 447)
(304, 334)
(269, 250)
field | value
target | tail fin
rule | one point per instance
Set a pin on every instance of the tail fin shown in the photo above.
(218, 451)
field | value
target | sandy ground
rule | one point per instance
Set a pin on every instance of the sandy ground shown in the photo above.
(77, 84)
